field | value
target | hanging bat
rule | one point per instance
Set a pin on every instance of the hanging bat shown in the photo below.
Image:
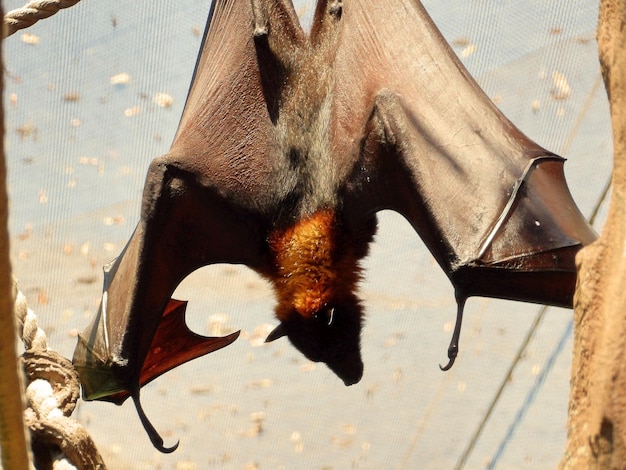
(288, 146)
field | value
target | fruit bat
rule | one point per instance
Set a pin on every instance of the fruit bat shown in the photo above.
(288, 146)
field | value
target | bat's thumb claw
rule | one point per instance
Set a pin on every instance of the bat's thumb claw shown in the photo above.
(155, 438)
(453, 350)
(449, 365)
(162, 448)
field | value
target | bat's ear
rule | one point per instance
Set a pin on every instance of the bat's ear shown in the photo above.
(276, 333)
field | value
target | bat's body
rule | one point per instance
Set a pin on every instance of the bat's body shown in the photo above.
(315, 284)
(287, 148)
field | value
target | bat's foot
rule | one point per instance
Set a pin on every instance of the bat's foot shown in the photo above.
(336, 8)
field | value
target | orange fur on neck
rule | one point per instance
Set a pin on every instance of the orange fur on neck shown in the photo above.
(313, 269)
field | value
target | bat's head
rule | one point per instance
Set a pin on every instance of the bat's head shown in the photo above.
(332, 335)
(316, 277)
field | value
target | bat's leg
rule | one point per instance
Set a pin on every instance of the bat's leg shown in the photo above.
(333, 8)
(453, 349)
(276, 18)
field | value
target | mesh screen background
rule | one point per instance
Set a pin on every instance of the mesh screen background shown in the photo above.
(78, 146)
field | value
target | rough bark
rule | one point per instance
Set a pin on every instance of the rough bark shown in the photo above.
(597, 409)
(12, 434)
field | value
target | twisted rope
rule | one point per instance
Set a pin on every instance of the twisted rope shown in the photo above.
(51, 394)
(33, 337)
(32, 12)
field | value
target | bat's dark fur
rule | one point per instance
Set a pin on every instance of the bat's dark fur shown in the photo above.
(288, 146)
(315, 283)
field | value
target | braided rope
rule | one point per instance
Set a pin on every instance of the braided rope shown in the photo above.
(34, 338)
(51, 394)
(32, 12)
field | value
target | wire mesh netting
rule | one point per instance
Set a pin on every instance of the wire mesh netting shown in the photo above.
(95, 93)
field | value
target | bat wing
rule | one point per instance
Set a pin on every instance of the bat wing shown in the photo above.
(408, 130)
(173, 344)
(204, 202)
(491, 205)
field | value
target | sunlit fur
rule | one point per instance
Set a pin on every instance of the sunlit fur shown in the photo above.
(313, 271)
(317, 272)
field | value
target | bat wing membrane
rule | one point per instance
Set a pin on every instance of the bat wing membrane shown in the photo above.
(424, 140)
(479, 192)
(203, 203)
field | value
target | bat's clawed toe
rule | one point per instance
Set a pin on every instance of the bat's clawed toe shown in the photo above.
(335, 8)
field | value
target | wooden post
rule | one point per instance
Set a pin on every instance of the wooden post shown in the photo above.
(13, 438)
(597, 408)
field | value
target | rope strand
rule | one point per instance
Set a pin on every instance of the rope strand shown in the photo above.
(51, 393)
(32, 12)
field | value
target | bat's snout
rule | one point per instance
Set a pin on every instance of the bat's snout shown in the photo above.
(350, 372)
(350, 378)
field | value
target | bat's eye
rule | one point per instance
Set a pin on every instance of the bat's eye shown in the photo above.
(326, 316)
